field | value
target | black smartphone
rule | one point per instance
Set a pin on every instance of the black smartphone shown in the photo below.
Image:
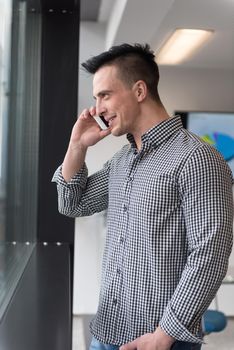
(101, 122)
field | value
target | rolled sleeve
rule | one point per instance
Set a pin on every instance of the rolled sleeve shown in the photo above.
(82, 195)
(78, 179)
(172, 326)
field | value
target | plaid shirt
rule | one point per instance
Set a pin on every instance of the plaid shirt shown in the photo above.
(170, 217)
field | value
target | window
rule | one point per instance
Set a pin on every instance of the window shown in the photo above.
(20, 40)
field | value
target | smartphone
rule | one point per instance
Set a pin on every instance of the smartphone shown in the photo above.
(101, 122)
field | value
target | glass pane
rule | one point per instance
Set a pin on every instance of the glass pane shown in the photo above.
(20, 38)
(5, 41)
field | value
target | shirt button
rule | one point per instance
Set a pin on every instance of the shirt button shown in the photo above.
(118, 271)
(114, 301)
(125, 208)
(121, 239)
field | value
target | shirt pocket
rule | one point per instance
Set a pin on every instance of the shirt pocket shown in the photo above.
(159, 196)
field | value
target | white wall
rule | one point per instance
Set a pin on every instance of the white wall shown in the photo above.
(180, 89)
(197, 89)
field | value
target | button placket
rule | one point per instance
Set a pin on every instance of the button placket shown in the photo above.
(127, 187)
(125, 208)
(115, 301)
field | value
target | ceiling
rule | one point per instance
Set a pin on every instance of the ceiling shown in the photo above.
(153, 21)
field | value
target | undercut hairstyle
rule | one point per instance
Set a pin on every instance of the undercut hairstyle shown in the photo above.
(133, 63)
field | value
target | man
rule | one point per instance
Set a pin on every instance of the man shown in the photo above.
(170, 210)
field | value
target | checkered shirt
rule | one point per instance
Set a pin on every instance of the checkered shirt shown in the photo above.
(169, 232)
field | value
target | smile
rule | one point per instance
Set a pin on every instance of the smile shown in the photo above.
(111, 120)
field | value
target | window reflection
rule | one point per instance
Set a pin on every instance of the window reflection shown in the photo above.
(5, 41)
(20, 37)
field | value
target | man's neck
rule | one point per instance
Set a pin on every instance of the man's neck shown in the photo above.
(150, 117)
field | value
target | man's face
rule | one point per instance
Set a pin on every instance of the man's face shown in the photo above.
(116, 101)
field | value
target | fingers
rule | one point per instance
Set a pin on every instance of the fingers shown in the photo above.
(87, 113)
(130, 346)
(104, 133)
(92, 111)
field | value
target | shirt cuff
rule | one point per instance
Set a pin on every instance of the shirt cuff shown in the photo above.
(172, 326)
(77, 179)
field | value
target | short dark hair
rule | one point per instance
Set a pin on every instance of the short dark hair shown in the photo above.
(134, 62)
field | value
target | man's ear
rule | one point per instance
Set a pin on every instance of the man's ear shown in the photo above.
(140, 90)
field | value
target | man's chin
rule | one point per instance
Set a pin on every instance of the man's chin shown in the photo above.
(117, 132)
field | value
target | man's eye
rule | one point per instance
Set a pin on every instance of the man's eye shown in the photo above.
(104, 96)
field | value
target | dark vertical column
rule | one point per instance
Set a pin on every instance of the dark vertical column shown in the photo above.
(59, 84)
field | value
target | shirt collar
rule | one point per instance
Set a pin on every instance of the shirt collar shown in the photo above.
(158, 133)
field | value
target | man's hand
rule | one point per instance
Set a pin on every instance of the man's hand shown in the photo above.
(85, 133)
(158, 340)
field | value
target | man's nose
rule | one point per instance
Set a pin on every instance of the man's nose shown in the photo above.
(100, 108)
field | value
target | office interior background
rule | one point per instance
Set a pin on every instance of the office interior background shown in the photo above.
(43, 283)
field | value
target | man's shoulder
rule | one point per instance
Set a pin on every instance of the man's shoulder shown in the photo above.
(187, 144)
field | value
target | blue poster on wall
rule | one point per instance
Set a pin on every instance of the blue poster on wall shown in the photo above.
(217, 129)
